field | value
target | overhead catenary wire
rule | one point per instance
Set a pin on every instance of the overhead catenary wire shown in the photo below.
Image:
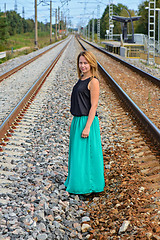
(74, 6)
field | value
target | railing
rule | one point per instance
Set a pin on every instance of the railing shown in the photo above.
(133, 52)
(2, 55)
(138, 38)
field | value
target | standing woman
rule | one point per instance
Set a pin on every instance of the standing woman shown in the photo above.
(85, 163)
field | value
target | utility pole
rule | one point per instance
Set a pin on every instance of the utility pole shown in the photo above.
(84, 29)
(98, 23)
(65, 26)
(56, 23)
(4, 9)
(50, 21)
(15, 6)
(36, 32)
(159, 28)
(86, 33)
(23, 12)
(93, 28)
(61, 19)
(89, 30)
(151, 32)
(110, 20)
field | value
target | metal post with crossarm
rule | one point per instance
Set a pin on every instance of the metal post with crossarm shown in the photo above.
(151, 32)
(93, 28)
(110, 20)
(98, 23)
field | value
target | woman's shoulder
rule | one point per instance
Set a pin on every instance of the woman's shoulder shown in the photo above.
(94, 80)
(94, 83)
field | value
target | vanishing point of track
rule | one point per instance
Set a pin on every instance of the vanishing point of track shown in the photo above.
(126, 168)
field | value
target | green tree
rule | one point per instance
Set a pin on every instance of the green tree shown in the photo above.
(14, 22)
(30, 25)
(142, 24)
(24, 24)
(117, 10)
(3, 28)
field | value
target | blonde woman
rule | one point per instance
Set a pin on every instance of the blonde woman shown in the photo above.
(85, 163)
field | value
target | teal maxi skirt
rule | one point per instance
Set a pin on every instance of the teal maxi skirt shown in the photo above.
(85, 162)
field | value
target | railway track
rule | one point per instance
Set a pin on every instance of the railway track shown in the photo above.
(144, 91)
(139, 156)
(12, 109)
(20, 66)
(36, 155)
(128, 65)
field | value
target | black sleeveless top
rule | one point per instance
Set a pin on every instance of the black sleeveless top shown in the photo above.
(80, 98)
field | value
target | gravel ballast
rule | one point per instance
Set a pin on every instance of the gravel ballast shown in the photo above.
(33, 167)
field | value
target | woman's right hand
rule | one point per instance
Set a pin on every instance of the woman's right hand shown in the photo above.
(70, 125)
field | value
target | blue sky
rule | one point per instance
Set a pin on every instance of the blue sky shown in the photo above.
(77, 11)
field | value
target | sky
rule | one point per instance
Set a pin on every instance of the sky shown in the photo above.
(78, 12)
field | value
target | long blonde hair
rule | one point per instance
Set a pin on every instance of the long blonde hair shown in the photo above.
(91, 59)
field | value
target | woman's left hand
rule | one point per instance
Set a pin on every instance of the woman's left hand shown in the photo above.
(85, 132)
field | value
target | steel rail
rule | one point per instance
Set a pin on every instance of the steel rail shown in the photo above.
(20, 66)
(132, 67)
(16, 114)
(146, 122)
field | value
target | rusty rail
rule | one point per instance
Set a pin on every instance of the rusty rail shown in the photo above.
(17, 68)
(17, 113)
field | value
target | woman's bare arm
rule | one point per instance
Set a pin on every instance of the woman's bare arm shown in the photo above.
(94, 92)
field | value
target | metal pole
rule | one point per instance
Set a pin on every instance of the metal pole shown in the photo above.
(110, 20)
(62, 21)
(65, 25)
(98, 23)
(151, 32)
(148, 40)
(86, 31)
(158, 28)
(50, 21)
(56, 23)
(15, 6)
(93, 28)
(36, 32)
(23, 12)
(89, 30)
(4, 9)
(131, 23)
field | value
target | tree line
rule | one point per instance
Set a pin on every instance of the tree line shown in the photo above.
(140, 26)
(12, 23)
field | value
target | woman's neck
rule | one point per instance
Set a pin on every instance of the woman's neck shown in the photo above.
(87, 75)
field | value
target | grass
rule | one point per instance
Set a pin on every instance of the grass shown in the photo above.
(23, 40)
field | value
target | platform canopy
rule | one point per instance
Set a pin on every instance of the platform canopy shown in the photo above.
(125, 20)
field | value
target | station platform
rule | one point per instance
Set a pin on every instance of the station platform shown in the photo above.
(130, 50)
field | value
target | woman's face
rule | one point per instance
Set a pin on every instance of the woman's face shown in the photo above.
(84, 66)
